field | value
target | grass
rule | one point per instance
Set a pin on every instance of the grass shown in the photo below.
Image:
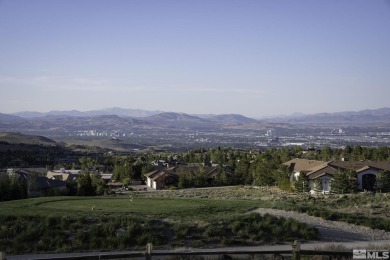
(191, 218)
(176, 209)
(69, 224)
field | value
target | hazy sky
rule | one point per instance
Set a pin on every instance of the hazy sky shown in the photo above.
(256, 58)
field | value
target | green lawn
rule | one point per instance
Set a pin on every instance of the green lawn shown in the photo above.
(69, 224)
(123, 205)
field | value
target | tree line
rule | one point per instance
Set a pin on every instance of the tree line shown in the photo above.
(244, 167)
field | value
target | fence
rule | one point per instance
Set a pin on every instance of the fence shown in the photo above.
(294, 253)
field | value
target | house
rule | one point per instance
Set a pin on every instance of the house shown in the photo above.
(107, 177)
(165, 177)
(63, 174)
(37, 185)
(160, 179)
(296, 166)
(33, 171)
(365, 171)
(45, 186)
(323, 171)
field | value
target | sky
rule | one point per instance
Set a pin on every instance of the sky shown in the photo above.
(251, 57)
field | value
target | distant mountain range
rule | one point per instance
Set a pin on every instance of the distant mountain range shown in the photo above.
(103, 112)
(119, 119)
(350, 118)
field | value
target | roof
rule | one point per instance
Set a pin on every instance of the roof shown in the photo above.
(106, 176)
(45, 183)
(157, 174)
(67, 171)
(210, 171)
(63, 176)
(150, 174)
(298, 165)
(38, 170)
(327, 170)
(359, 165)
(364, 168)
(321, 175)
(315, 169)
(160, 174)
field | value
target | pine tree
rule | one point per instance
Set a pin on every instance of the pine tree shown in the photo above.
(302, 184)
(318, 187)
(382, 182)
(85, 187)
(344, 181)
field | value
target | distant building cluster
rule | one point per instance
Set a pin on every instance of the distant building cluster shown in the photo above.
(338, 131)
(100, 133)
(270, 133)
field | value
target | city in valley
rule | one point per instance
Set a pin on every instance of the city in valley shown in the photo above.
(171, 180)
(180, 132)
(194, 129)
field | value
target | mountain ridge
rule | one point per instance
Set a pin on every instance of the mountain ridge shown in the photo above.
(112, 117)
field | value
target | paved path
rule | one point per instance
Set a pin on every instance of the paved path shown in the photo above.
(332, 231)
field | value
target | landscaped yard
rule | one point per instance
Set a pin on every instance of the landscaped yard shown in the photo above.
(126, 205)
(67, 224)
(210, 217)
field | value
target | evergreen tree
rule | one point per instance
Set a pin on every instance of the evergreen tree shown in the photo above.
(382, 181)
(262, 169)
(242, 171)
(302, 184)
(344, 181)
(282, 178)
(98, 184)
(185, 180)
(4, 187)
(318, 187)
(87, 163)
(84, 185)
(200, 178)
(206, 159)
(326, 153)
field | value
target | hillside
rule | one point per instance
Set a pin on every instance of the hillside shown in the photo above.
(107, 143)
(102, 112)
(349, 118)
(233, 119)
(178, 120)
(4, 118)
(17, 138)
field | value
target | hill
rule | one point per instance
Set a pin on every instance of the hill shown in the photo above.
(232, 119)
(178, 120)
(112, 144)
(17, 138)
(102, 112)
(349, 118)
(4, 118)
